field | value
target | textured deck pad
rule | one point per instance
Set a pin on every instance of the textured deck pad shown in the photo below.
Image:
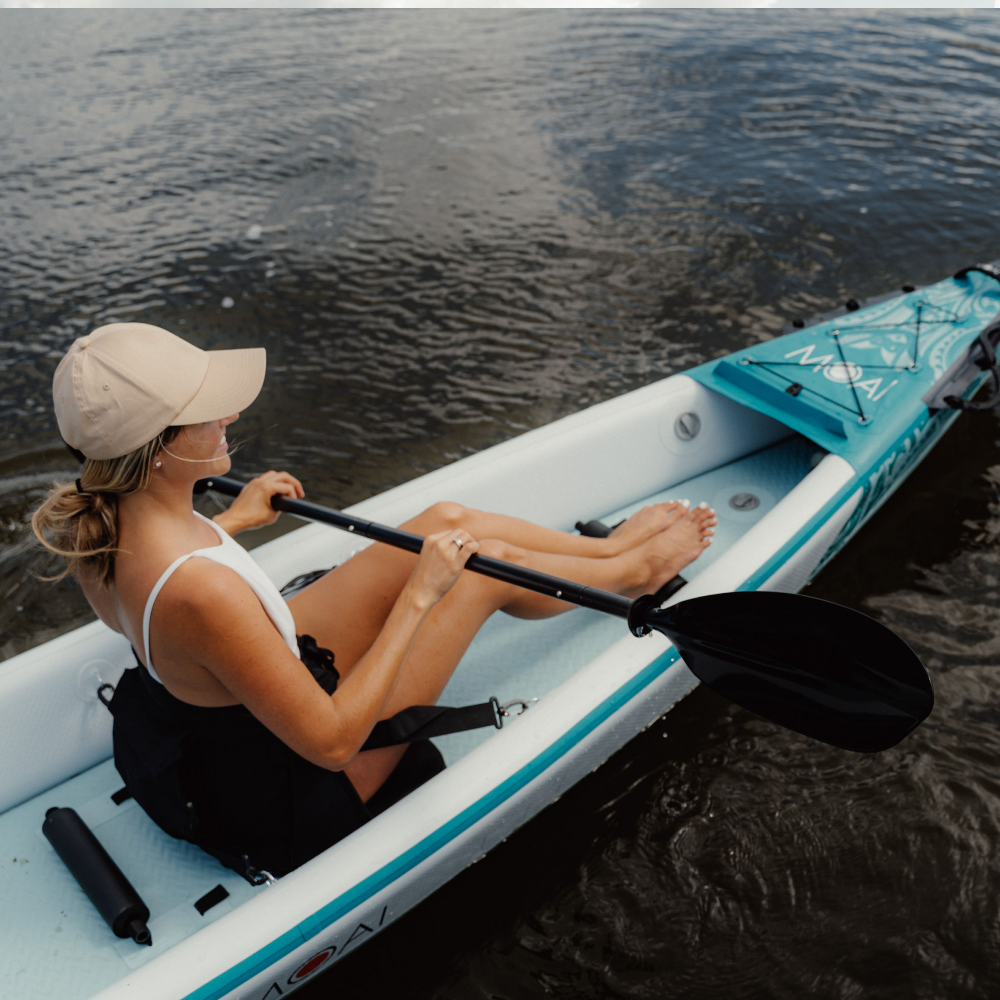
(55, 943)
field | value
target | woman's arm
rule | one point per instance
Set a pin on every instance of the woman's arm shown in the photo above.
(216, 620)
(252, 508)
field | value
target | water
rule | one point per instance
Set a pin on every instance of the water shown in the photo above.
(449, 227)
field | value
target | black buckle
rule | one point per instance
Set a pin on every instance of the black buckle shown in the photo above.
(256, 876)
(497, 717)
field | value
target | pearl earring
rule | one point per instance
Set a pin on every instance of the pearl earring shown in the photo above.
(158, 464)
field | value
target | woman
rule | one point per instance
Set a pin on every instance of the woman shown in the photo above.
(236, 732)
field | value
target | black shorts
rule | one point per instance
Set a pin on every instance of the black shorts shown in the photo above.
(221, 779)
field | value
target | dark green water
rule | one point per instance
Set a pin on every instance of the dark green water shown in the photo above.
(450, 227)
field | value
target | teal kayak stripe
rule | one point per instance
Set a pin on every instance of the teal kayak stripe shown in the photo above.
(283, 946)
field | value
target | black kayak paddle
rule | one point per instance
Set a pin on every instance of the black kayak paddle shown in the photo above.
(814, 667)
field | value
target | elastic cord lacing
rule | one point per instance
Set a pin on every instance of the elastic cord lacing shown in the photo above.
(987, 362)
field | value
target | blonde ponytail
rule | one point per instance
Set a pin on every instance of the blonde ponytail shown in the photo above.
(81, 525)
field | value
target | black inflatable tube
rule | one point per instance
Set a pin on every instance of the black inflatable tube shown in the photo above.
(99, 877)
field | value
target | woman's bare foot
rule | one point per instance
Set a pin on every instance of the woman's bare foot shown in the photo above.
(662, 557)
(646, 523)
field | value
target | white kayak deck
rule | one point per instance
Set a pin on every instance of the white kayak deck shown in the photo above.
(55, 942)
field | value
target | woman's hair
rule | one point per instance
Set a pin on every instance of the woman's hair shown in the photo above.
(82, 525)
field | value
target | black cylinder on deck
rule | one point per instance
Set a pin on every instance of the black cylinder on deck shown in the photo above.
(99, 877)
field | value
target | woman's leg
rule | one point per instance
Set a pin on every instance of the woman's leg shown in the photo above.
(634, 531)
(455, 620)
(346, 609)
(363, 601)
(453, 623)
(450, 628)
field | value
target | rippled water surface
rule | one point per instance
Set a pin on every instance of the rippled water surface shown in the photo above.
(449, 227)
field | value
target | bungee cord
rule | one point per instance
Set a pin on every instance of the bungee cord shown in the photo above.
(794, 388)
(951, 317)
(850, 378)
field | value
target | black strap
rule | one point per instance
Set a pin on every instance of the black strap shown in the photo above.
(991, 270)
(421, 722)
(989, 363)
(418, 722)
(595, 529)
(302, 581)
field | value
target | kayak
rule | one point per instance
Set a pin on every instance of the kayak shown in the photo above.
(795, 442)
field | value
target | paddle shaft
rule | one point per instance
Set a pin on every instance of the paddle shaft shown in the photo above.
(529, 579)
(817, 668)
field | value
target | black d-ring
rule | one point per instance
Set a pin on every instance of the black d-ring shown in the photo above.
(105, 701)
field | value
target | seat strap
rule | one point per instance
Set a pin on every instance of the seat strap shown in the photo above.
(421, 722)
(418, 722)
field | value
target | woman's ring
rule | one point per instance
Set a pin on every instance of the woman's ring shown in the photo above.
(458, 542)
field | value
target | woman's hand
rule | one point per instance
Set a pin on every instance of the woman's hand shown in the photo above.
(252, 508)
(440, 564)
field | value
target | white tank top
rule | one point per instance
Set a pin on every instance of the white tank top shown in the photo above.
(230, 553)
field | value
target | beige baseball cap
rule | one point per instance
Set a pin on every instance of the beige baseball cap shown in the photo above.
(123, 384)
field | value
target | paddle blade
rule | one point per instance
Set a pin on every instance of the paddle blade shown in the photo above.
(816, 668)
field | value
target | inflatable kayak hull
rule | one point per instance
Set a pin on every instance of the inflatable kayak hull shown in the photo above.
(793, 474)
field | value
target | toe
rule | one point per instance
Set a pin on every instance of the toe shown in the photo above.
(671, 512)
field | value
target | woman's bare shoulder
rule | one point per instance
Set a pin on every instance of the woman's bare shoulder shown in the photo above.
(208, 591)
(208, 613)
(208, 628)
